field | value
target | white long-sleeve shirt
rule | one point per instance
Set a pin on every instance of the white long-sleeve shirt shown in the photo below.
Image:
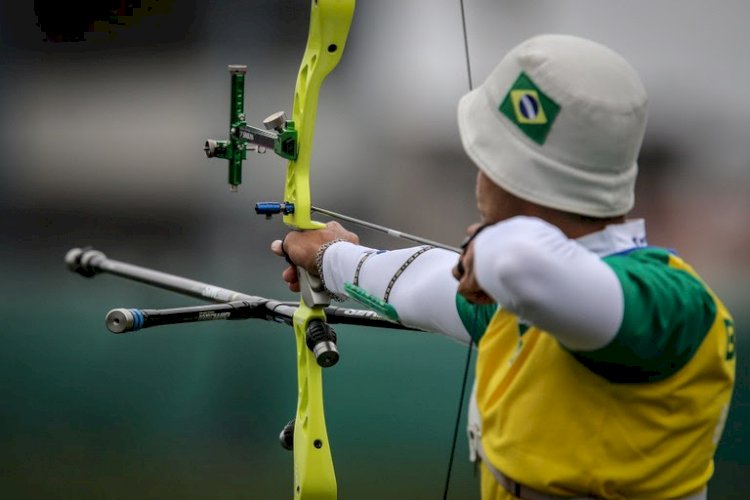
(527, 265)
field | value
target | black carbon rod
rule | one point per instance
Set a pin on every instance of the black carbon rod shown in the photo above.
(132, 320)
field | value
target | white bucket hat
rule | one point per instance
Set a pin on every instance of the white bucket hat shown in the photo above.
(559, 122)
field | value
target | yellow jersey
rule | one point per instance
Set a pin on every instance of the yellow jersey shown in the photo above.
(638, 418)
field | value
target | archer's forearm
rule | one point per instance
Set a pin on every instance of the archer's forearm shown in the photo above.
(422, 291)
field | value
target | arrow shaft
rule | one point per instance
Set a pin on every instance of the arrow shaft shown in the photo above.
(383, 229)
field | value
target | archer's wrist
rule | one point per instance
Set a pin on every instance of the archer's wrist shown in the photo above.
(319, 256)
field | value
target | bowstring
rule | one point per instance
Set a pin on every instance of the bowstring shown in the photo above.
(466, 46)
(469, 350)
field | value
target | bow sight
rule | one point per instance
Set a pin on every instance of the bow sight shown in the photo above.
(279, 134)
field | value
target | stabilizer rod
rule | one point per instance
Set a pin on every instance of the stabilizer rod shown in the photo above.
(90, 262)
(132, 320)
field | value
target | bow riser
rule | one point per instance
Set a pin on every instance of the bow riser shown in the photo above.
(314, 476)
(329, 27)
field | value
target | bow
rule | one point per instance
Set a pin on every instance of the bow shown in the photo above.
(314, 475)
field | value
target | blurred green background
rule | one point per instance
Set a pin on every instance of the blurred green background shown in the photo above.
(101, 140)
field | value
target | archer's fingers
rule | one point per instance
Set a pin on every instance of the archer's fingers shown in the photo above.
(470, 289)
(458, 270)
(473, 228)
(339, 231)
(290, 274)
(478, 297)
(292, 279)
(277, 247)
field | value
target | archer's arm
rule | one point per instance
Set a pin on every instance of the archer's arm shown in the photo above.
(421, 288)
(416, 282)
(525, 264)
(553, 282)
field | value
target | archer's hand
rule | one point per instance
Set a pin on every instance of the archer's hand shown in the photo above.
(300, 248)
(464, 271)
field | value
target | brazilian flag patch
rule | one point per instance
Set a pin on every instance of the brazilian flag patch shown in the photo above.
(530, 109)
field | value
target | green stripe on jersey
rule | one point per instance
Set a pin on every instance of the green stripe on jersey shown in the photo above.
(475, 317)
(668, 313)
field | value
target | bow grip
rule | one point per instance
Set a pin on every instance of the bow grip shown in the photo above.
(312, 290)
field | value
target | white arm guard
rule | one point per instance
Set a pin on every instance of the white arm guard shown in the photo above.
(424, 294)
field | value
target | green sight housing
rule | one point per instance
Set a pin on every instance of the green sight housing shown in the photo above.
(279, 135)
